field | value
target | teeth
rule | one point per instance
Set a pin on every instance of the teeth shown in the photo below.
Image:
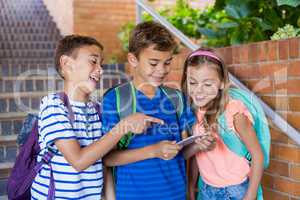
(94, 78)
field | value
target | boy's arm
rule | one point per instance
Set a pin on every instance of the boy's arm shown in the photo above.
(109, 185)
(165, 150)
(245, 130)
(81, 158)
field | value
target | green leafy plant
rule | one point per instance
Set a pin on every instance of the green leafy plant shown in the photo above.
(288, 31)
(228, 22)
(124, 33)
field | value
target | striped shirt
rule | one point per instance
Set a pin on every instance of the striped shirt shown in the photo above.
(152, 178)
(55, 125)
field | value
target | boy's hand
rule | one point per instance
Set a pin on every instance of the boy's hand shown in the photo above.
(166, 150)
(205, 144)
(138, 123)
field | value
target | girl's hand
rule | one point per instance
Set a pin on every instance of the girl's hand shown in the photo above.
(165, 150)
(138, 123)
(206, 143)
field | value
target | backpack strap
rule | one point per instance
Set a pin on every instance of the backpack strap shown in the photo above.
(125, 107)
(64, 98)
(176, 99)
(49, 154)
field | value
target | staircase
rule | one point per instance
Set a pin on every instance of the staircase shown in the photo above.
(28, 37)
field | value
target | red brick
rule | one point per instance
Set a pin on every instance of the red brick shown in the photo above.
(285, 153)
(294, 45)
(236, 55)
(244, 54)
(253, 53)
(294, 68)
(278, 168)
(241, 72)
(262, 51)
(295, 172)
(290, 86)
(294, 119)
(287, 186)
(278, 136)
(268, 69)
(272, 51)
(273, 195)
(267, 181)
(277, 103)
(264, 86)
(283, 49)
(294, 104)
(293, 86)
(228, 55)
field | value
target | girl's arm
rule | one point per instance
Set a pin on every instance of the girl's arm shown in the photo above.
(201, 144)
(193, 173)
(245, 130)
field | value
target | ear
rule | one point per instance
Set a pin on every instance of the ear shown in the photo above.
(65, 63)
(132, 59)
(222, 86)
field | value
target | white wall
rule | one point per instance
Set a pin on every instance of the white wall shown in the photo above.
(62, 13)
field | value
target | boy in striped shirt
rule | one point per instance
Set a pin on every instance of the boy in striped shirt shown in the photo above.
(78, 147)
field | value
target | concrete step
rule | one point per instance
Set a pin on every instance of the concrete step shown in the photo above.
(8, 139)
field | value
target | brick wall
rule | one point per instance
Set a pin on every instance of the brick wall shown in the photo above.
(272, 70)
(103, 19)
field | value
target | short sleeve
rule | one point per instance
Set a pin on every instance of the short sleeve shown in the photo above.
(187, 118)
(236, 107)
(110, 116)
(54, 123)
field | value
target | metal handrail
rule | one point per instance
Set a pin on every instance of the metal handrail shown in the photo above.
(282, 124)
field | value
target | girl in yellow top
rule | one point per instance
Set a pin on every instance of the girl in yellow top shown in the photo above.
(225, 175)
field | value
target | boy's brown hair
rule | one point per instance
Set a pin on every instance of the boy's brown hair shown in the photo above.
(150, 33)
(68, 46)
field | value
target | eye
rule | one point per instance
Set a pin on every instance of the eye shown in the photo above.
(192, 83)
(153, 64)
(93, 61)
(167, 63)
(207, 84)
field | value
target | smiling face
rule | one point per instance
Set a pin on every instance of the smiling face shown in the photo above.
(83, 69)
(152, 66)
(203, 84)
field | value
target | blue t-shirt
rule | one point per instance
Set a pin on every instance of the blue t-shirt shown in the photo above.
(152, 178)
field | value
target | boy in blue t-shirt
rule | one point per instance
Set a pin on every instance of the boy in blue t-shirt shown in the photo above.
(76, 167)
(151, 167)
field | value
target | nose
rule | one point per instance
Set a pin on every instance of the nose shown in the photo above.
(162, 68)
(99, 69)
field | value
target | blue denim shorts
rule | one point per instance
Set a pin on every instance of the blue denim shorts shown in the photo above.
(234, 192)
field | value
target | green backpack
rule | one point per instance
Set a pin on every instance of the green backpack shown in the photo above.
(260, 125)
(126, 105)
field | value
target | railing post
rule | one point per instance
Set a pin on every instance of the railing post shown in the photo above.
(138, 13)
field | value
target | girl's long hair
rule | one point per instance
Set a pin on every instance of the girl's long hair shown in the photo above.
(217, 107)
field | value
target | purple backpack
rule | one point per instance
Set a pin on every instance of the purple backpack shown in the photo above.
(26, 166)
